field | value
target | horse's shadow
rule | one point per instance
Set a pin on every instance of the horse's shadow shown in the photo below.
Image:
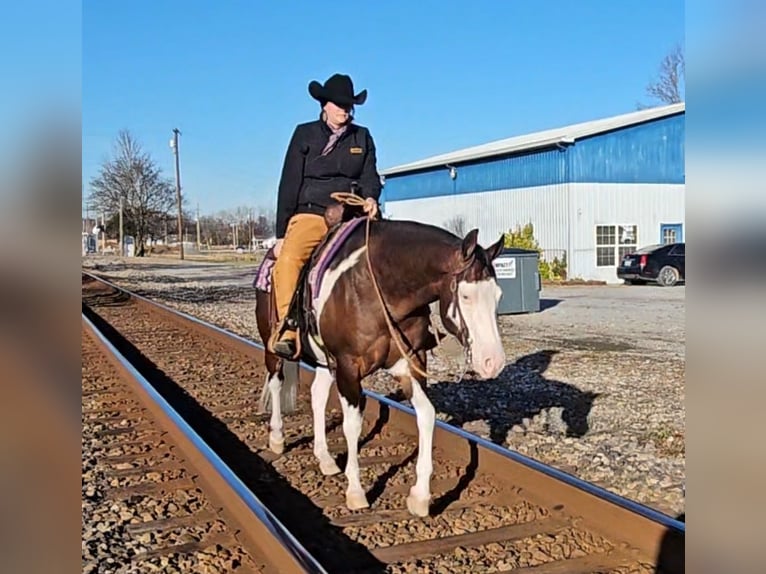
(520, 392)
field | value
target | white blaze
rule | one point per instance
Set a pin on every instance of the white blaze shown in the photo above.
(478, 303)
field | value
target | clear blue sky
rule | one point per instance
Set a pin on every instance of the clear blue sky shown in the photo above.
(440, 75)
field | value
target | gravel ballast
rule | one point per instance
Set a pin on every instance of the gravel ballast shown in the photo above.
(119, 532)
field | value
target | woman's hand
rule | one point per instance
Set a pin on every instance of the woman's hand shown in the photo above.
(371, 207)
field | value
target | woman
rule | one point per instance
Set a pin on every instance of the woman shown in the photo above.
(324, 156)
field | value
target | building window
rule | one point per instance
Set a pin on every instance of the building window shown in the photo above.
(668, 235)
(613, 242)
(605, 242)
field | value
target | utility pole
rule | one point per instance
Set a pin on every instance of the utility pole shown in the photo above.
(103, 234)
(199, 244)
(122, 245)
(174, 145)
(250, 229)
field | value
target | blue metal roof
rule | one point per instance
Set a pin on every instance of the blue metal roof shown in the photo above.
(650, 152)
(539, 140)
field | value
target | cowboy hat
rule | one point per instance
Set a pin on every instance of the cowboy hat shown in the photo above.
(338, 89)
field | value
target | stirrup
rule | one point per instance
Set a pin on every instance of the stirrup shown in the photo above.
(286, 349)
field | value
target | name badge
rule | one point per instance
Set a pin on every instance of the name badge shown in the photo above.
(356, 150)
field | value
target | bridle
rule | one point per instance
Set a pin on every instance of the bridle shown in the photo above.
(463, 335)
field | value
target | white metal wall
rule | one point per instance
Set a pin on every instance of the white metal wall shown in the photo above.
(565, 216)
(644, 205)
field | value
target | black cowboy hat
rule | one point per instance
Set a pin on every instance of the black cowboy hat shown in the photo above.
(338, 89)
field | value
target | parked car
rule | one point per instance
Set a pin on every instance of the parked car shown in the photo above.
(661, 264)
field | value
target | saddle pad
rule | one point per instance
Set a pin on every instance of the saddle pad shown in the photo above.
(263, 277)
(329, 251)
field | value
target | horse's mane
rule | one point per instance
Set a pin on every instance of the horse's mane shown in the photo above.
(414, 234)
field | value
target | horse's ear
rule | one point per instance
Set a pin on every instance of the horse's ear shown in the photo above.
(469, 244)
(494, 250)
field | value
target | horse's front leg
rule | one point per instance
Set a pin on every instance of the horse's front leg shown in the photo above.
(320, 392)
(420, 494)
(350, 392)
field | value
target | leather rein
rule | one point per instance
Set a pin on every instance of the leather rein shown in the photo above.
(463, 334)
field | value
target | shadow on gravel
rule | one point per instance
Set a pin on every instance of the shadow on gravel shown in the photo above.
(327, 543)
(440, 503)
(196, 294)
(108, 298)
(548, 303)
(520, 392)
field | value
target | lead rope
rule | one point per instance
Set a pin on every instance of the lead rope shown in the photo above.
(352, 199)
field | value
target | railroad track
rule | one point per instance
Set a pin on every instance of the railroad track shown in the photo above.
(493, 510)
(189, 502)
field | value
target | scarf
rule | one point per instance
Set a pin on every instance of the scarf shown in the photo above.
(334, 137)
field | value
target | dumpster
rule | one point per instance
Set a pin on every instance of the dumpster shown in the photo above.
(518, 276)
(129, 247)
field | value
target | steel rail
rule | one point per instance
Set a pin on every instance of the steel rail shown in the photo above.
(288, 542)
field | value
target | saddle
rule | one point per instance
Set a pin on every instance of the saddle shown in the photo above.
(341, 221)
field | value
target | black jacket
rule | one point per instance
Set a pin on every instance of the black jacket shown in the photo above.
(309, 178)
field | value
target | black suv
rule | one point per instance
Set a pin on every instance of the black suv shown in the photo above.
(663, 264)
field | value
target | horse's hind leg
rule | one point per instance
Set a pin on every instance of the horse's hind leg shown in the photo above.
(350, 391)
(272, 389)
(276, 437)
(320, 391)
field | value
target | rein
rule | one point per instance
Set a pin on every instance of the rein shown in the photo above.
(355, 200)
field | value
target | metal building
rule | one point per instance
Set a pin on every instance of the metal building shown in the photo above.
(593, 191)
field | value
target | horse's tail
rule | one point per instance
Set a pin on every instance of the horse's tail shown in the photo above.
(288, 394)
(264, 402)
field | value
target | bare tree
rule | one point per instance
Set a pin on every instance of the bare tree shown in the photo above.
(456, 225)
(133, 177)
(669, 87)
(264, 223)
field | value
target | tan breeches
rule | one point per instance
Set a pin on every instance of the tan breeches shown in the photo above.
(304, 232)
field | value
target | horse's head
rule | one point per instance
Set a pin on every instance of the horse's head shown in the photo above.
(468, 305)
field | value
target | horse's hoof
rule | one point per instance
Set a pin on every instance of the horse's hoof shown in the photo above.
(329, 468)
(418, 506)
(356, 501)
(277, 446)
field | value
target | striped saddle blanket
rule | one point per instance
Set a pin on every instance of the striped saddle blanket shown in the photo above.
(327, 250)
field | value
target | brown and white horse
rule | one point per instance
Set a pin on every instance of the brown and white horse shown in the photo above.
(414, 265)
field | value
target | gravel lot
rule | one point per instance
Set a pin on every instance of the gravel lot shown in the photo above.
(594, 383)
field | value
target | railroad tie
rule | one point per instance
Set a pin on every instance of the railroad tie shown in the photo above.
(424, 548)
(580, 565)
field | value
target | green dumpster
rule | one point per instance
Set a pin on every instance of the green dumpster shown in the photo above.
(519, 278)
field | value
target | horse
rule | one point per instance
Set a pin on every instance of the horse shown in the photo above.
(363, 318)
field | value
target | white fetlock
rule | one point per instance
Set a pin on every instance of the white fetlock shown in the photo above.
(277, 446)
(418, 505)
(356, 500)
(328, 467)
